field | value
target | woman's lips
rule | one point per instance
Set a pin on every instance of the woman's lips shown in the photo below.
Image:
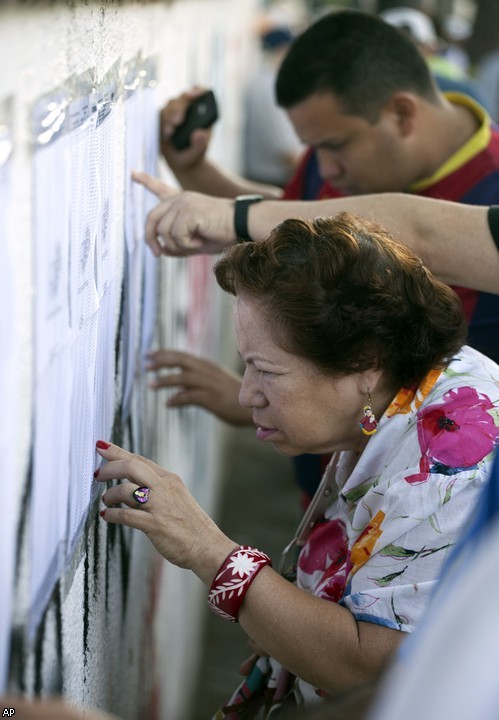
(263, 433)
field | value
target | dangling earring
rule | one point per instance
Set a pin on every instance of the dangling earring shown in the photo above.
(368, 424)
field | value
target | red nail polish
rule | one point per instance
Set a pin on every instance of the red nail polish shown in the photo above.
(96, 473)
(102, 513)
(102, 445)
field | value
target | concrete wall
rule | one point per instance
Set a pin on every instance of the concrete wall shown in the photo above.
(117, 628)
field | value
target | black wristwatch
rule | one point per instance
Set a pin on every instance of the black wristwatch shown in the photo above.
(241, 206)
(493, 221)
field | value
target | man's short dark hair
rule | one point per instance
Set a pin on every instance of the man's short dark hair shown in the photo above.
(359, 58)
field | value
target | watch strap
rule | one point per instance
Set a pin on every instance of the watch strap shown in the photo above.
(241, 206)
(493, 222)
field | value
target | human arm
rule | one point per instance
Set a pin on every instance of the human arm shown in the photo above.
(201, 382)
(191, 167)
(333, 652)
(453, 239)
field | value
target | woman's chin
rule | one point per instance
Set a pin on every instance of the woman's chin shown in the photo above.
(284, 448)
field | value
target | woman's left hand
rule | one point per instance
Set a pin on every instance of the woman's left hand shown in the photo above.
(174, 522)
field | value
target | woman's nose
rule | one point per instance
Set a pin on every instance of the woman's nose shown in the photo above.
(250, 395)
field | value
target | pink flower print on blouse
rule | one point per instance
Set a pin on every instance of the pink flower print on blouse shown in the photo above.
(323, 565)
(455, 434)
(423, 474)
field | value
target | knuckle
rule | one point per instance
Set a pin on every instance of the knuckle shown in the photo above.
(135, 465)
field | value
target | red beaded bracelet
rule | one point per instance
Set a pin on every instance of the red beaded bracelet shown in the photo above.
(233, 579)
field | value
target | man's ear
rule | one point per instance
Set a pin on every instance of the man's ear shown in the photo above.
(404, 108)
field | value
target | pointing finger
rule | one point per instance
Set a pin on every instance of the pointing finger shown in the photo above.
(153, 184)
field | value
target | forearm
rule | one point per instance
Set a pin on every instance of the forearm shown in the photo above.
(453, 239)
(208, 178)
(317, 640)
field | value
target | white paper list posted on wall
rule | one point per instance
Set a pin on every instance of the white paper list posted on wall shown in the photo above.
(10, 385)
(53, 369)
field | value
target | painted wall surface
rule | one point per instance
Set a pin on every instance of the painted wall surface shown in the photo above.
(89, 610)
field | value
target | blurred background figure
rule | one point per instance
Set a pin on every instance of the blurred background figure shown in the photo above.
(483, 50)
(271, 147)
(449, 74)
(488, 73)
(455, 30)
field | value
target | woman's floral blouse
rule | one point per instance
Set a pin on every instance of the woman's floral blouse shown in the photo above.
(402, 507)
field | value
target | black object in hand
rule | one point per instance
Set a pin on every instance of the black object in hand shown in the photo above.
(202, 113)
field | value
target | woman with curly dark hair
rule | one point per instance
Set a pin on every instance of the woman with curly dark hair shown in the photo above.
(353, 348)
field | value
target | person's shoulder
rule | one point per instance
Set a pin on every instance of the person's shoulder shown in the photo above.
(470, 365)
(469, 375)
(469, 361)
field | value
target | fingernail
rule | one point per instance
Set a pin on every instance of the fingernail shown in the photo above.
(102, 513)
(102, 445)
(96, 473)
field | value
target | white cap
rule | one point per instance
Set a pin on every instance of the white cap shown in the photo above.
(418, 25)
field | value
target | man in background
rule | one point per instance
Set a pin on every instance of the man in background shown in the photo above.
(362, 98)
(271, 148)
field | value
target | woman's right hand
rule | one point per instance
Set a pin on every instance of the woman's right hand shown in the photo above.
(174, 522)
(171, 116)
